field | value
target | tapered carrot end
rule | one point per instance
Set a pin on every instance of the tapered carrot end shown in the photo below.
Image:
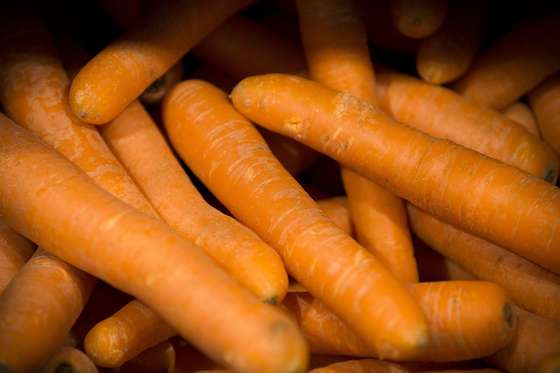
(103, 345)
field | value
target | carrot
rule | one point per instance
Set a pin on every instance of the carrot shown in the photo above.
(336, 208)
(442, 113)
(69, 359)
(528, 284)
(228, 155)
(362, 366)
(152, 262)
(487, 195)
(477, 321)
(544, 102)
(15, 250)
(520, 113)
(447, 54)
(418, 19)
(515, 64)
(550, 364)
(33, 92)
(160, 358)
(535, 339)
(155, 92)
(337, 55)
(121, 71)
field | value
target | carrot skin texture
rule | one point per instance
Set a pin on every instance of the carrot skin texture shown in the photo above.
(544, 102)
(445, 114)
(72, 360)
(520, 113)
(100, 223)
(490, 326)
(206, 131)
(418, 19)
(528, 285)
(447, 54)
(336, 209)
(127, 66)
(515, 64)
(15, 250)
(442, 171)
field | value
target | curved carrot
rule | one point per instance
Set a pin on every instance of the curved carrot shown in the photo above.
(337, 55)
(487, 195)
(69, 359)
(477, 321)
(336, 208)
(160, 358)
(15, 250)
(535, 339)
(528, 285)
(33, 91)
(445, 114)
(418, 19)
(152, 262)
(447, 54)
(515, 64)
(121, 71)
(157, 90)
(520, 113)
(227, 153)
(544, 102)
(362, 366)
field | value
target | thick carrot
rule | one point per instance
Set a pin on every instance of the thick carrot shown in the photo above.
(227, 154)
(447, 54)
(535, 339)
(141, 256)
(336, 208)
(362, 366)
(15, 250)
(418, 19)
(520, 113)
(33, 91)
(335, 45)
(69, 359)
(467, 319)
(515, 64)
(157, 90)
(121, 71)
(544, 102)
(442, 113)
(158, 359)
(528, 284)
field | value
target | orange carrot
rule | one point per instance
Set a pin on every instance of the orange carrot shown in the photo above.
(520, 113)
(550, 364)
(15, 250)
(442, 113)
(158, 359)
(528, 284)
(141, 256)
(477, 321)
(155, 92)
(447, 54)
(227, 154)
(487, 196)
(362, 366)
(336, 208)
(337, 55)
(418, 19)
(535, 339)
(121, 71)
(544, 102)
(69, 359)
(515, 64)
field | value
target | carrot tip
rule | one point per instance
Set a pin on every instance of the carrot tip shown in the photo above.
(508, 314)
(64, 368)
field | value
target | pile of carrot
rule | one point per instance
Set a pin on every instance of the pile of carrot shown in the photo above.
(280, 186)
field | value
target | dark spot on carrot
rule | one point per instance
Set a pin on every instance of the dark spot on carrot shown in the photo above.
(508, 314)
(64, 368)
(4, 368)
(271, 300)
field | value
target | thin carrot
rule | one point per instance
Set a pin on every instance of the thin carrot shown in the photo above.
(227, 154)
(535, 339)
(335, 45)
(442, 113)
(544, 102)
(487, 196)
(152, 262)
(515, 64)
(158, 359)
(362, 366)
(418, 19)
(69, 359)
(336, 208)
(528, 284)
(447, 54)
(157, 90)
(477, 321)
(15, 250)
(520, 113)
(121, 71)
